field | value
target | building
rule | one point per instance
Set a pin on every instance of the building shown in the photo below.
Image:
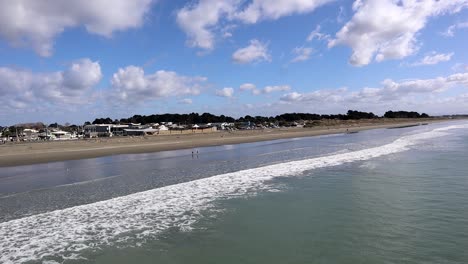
(118, 130)
(62, 135)
(101, 130)
(222, 125)
(163, 128)
(30, 134)
(140, 132)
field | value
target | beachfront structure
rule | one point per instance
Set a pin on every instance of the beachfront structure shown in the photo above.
(62, 135)
(46, 135)
(163, 128)
(140, 132)
(30, 134)
(101, 130)
(222, 125)
(178, 127)
(110, 130)
(118, 130)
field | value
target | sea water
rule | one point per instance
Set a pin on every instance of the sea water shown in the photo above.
(379, 196)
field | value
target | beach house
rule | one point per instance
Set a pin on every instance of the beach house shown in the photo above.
(30, 134)
(99, 130)
(62, 135)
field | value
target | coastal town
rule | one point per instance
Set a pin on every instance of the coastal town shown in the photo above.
(41, 132)
(186, 124)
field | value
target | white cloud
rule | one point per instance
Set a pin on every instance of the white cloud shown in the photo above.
(450, 32)
(390, 91)
(22, 89)
(186, 101)
(316, 34)
(198, 21)
(318, 96)
(292, 97)
(434, 58)
(386, 29)
(276, 88)
(266, 90)
(434, 95)
(255, 52)
(131, 84)
(396, 91)
(302, 54)
(201, 20)
(271, 10)
(36, 23)
(247, 87)
(225, 92)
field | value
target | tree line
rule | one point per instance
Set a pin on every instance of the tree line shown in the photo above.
(405, 114)
(195, 118)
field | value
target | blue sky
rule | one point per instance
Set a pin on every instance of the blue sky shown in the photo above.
(75, 61)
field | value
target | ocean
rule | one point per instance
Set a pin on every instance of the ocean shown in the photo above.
(378, 196)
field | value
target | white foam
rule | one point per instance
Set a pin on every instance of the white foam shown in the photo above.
(65, 233)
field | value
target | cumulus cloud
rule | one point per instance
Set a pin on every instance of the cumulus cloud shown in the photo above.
(386, 29)
(390, 91)
(335, 95)
(201, 20)
(302, 54)
(132, 84)
(434, 58)
(396, 92)
(23, 89)
(247, 87)
(276, 88)
(437, 96)
(198, 21)
(267, 10)
(266, 90)
(292, 97)
(255, 52)
(35, 23)
(225, 92)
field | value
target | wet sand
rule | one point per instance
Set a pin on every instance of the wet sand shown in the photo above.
(25, 153)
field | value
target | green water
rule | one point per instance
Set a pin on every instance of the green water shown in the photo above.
(410, 208)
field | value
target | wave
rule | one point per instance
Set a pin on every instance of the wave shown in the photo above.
(66, 233)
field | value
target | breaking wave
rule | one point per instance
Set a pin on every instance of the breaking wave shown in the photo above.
(66, 233)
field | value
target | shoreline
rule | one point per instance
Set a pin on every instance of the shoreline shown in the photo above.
(30, 153)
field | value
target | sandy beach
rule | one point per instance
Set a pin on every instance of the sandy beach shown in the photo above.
(25, 153)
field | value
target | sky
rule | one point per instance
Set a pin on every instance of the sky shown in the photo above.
(73, 61)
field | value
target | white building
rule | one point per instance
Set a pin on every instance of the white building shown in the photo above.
(163, 128)
(62, 135)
